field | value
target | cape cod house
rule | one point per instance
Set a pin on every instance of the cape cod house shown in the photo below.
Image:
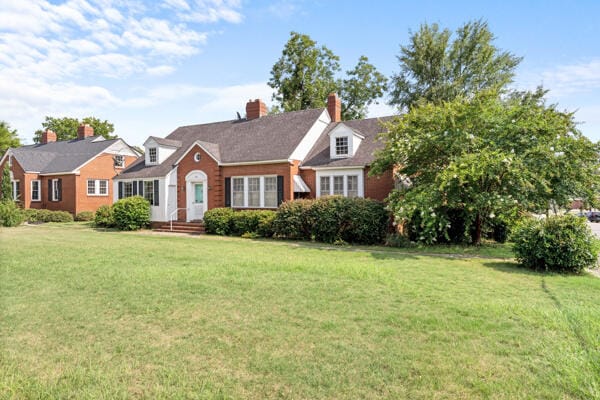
(70, 175)
(256, 162)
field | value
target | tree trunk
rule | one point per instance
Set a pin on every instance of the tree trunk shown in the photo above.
(477, 233)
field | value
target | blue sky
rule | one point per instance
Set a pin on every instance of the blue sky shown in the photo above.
(150, 67)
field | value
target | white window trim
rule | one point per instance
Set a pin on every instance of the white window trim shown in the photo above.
(150, 155)
(122, 165)
(147, 193)
(39, 183)
(261, 188)
(96, 188)
(345, 174)
(54, 184)
(335, 150)
(14, 189)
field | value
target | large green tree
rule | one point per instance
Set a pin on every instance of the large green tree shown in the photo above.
(8, 137)
(5, 184)
(484, 159)
(306, 73)
(66, 127)
(438, 66)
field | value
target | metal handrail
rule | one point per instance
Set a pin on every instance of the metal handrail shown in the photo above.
(173, 213)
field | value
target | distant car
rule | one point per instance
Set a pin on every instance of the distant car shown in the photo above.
(593, 216)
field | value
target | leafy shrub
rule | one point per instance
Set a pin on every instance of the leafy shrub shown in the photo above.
(251, 223)
(10, 214)
(131, 213)
(219, 221)
(41, 215)
(104, 217)
(84, 216)
(398, 240)
(294, 220)
(558, 244)
(333, 219)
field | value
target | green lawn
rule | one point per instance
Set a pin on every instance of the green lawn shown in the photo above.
(107, 315)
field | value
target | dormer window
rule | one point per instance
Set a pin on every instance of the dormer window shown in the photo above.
(152, 155)
(341, 146)
(119, 161)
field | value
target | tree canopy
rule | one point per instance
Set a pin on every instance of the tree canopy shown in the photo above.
(306, 73)
(436, 66)
(8, 137)
(66, 127)
(485, 159)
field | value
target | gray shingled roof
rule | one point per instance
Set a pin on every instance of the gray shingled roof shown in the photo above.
(62, 156)
(370, 128)
(166, 142)
(272, 137)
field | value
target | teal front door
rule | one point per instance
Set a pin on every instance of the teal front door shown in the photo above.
(197, 207)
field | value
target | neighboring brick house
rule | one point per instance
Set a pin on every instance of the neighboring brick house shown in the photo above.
(256, 162)
(70, 175)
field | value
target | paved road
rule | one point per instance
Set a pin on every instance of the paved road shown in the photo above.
(595, 227)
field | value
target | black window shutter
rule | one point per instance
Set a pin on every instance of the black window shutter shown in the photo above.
(134, 188)
(59, 183)
(156, 192)
(227, 192)
(49, 189)
(141, 188)
(120, 190)
(279, 189)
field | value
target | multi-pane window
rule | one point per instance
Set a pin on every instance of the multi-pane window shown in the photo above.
(270, 191)
(341, 146)
(325, 186)
(352, 185)
(120, 161)
(149, 191)
(127, 189)
(253, 192)
(36, 194)
(97, 187)
(152, 154)
(238, 192)
(338, 185)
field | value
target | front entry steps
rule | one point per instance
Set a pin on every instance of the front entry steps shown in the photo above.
(193, 228)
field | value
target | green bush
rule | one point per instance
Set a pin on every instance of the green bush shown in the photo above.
(219, 221)
(84, 216)
(41, 215)
(333, 219)
(10, 214)
(294, 220)
(251, 223)
(104, 217)
(131, 213)
(557, 244)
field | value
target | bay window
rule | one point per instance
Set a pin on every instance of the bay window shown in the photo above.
(238, 192)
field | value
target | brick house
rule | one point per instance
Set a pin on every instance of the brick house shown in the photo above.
(70, 175)
(256, 162)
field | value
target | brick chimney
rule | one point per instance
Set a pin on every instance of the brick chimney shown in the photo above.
(334, 107)
(84, 131)
(255, 109)
(48, 136)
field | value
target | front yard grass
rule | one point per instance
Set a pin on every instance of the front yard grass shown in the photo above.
(107, 315)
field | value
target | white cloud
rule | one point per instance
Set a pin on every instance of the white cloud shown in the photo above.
(160, 70)
(381, 110)
(564, 80)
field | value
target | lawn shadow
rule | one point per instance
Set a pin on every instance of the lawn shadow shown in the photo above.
(511, 267)
(375, 253)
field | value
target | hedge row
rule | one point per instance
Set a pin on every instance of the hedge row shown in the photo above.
(226, 222)
(12, 215)
(129, 214)
(329, 219)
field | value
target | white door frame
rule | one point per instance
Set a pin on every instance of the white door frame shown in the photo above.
(196, 176)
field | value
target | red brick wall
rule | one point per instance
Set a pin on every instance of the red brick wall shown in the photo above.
(378, 187)
(68, 193)
(102, 167)
(309, 177)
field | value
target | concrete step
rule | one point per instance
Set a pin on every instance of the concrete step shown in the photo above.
(181, 227)
(188, 232)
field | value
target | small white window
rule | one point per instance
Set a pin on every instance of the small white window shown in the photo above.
(271, 191)
(97, 187)
(338, 185)
(197, 157)
(341, 146)
(55, 190)
(103, 187)
(91, 187)
(253, 192)
(36, 194)
(152, 154)
(119, 161)
(16, 188)
(238, 192)
(325, 186)
(352, 183)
